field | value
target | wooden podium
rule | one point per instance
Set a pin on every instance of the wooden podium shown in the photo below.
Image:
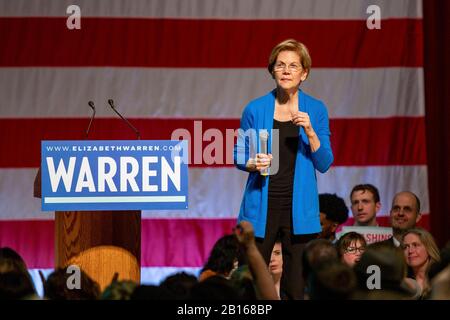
(101, 243)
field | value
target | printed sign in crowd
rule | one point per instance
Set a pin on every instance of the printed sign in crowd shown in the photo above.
(371, 234)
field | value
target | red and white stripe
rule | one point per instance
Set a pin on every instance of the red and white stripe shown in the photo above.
(170, 63)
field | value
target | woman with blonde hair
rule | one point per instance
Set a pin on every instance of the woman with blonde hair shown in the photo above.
(284, 138)
(276, 265)
(421, 252)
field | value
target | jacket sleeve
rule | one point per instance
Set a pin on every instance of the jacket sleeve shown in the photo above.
(322, 158)
(245, 144)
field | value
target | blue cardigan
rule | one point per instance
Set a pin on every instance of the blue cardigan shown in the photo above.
(257, 115)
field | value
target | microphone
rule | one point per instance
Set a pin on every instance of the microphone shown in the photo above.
(111, 103)
(263, 147)
(91, 104)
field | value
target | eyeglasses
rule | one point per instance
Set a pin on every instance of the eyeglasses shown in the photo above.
(280, 67)
(413, 245)
(353, 250)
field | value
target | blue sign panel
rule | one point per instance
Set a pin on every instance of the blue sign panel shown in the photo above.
(114, 175)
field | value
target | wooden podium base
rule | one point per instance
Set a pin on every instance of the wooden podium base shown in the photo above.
(101, 243)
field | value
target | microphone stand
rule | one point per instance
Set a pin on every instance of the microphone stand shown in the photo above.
(91, 104)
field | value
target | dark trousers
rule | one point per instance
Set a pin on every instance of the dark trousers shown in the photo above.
(279, 222)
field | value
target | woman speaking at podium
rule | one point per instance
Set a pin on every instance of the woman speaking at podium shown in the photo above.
(281, 194)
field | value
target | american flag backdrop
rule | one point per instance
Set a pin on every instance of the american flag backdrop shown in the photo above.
(170, 63)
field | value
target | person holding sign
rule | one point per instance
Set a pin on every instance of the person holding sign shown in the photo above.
(285, 199)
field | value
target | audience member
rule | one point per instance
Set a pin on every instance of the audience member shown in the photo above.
(381, 274)
(365, 204)
(421, 252)
(119, 290)
(242, 280)
(316, 253)
(333, 212)
(263, 282)
(441, 285)
(404, 215)
(151, 292)
(350, 247)
(276, 265)
(333, 280)
(223, 259)
(15, 281)
(439, 275)
(56, 286)
(179, 285)
(442, 264)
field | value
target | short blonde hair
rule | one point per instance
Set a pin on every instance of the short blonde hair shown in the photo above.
(428, 241)
(291, 45)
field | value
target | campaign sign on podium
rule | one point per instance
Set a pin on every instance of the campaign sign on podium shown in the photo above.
(114, 175)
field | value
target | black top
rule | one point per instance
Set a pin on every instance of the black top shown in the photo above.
(281, 183)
